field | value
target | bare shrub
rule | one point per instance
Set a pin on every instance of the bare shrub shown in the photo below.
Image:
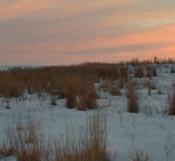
(132, 98)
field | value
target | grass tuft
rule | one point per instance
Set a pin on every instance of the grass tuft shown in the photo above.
(132, 98)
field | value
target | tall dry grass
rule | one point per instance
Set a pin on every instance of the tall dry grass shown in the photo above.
(154, 60)
(90, 145)
(151, 71)
(139, 72)
(132, 98)
(69, 82)
(171, 102)
(140, 156)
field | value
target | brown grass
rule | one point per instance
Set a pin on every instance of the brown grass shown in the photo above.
(149, 85)
(53, 100)
(66, 79)
(7, 151)
(123, 75)
(172, 70)
(140, 156)
(132, 98)
(88, 146)
(171, 101)
(151, 71)
(115, 91)
(139, 72)
(63, 81)
(154, 60)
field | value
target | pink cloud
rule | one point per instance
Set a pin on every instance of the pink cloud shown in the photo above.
(68, 31)
(162, 35)
(22, 7)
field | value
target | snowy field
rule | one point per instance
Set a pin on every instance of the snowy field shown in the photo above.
(151, 131)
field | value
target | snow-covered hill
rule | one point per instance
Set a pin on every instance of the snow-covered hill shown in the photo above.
(151, 131)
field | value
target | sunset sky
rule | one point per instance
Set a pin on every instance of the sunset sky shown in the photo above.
(46, 32)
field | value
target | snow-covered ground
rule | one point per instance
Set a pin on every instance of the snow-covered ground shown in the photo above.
(151, 130)
(12, 67)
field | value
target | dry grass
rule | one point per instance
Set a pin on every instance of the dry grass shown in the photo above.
(53, 100)
(63, 81)
(115, 91)
(90, 145)
(151, 71)
(149, 85)
(140, 156)
(154, 60)
(132, 98)
(123, 75)
(139, 72)
(172, 70)
(171, 101)
(7, 151)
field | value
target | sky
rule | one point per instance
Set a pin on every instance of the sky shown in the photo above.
(56, 32)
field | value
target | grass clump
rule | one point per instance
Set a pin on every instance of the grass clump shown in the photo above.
(115, 91)
(171, 101)
(139, 72)
(140, 156)
(132, 99)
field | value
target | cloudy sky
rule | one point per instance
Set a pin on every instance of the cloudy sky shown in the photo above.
(45, 32)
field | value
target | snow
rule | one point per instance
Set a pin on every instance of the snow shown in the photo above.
(12, 67)
(151, 131)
